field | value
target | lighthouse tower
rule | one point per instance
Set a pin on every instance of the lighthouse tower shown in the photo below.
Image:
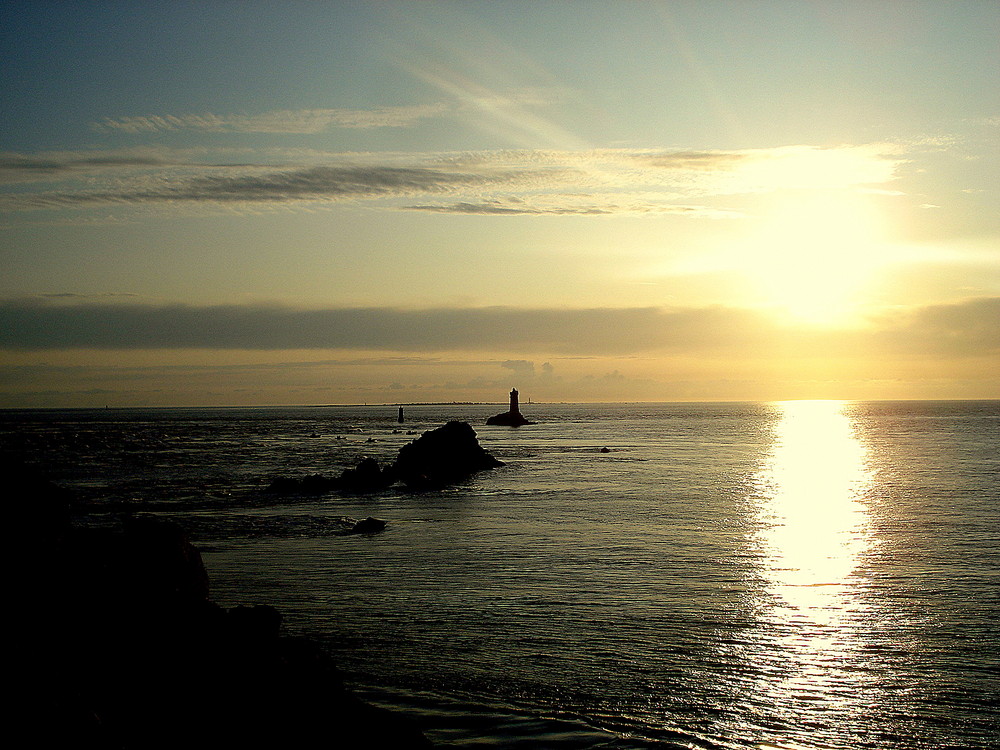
(511, 418)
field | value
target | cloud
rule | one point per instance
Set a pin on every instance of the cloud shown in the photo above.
(509, 206)
(36, 325)
(305, 121)
(267, 186)
(579, 205)
(520, 366)
(326, 182)
(970, 328)
(74, 296)
(597, 182)
(17, 167)
(967, 329)
(694, 160)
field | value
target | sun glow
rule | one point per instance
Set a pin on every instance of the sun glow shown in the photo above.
(813, 254)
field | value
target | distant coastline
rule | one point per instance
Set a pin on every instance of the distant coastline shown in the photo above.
(413, 403)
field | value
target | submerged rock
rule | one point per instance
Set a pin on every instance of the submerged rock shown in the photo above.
(438, 457)
(368, 526)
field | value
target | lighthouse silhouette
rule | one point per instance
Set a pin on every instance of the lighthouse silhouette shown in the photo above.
(511, 418)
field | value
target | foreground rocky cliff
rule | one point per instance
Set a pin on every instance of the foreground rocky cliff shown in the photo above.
(117, 644)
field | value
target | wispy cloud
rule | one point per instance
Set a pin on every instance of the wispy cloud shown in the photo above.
(510, 182)
(73, 296)
(693, 160)
(17, 167)
(278, 121)
(322, 184)
(522, 367)
(580, 205)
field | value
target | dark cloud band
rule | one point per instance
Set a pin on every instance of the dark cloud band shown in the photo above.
(971, 328)
(34, 325)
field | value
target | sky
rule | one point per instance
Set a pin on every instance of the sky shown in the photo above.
(393, 202)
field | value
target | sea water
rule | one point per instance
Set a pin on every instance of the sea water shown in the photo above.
(810, 574)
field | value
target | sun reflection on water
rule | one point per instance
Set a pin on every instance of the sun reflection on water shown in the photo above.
(815, 523)
(813, 528)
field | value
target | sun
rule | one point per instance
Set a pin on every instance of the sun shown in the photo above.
(813, 253)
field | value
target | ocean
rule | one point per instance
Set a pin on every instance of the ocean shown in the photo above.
(805, 574)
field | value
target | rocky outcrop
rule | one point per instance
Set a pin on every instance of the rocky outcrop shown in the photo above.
(312, 484)
(438, 457)
(118, 646)
(367, 476)
(368, 526)
(509, 419)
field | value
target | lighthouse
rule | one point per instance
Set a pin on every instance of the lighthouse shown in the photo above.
(512, 417)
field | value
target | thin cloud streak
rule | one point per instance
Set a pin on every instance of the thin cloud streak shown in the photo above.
(302, 121)
(313, 184)
(593, 182)
(578, 205)
(48, 166)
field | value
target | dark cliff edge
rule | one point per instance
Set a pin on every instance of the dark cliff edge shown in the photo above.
(117, 645)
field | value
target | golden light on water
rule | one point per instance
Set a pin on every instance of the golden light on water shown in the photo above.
(813, 531)
(814, 516)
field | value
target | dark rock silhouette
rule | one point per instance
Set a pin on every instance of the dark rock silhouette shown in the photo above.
(512, 417)
(312, 484)
(118, 646)
(367, 476)
(35, 505)
(260, 623)
(508, 419)
(368, 526)
(438, 457)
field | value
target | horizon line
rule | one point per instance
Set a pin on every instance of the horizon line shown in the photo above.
(397, 404)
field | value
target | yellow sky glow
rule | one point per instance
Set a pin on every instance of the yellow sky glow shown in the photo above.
(379, 202)
(812, 254)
